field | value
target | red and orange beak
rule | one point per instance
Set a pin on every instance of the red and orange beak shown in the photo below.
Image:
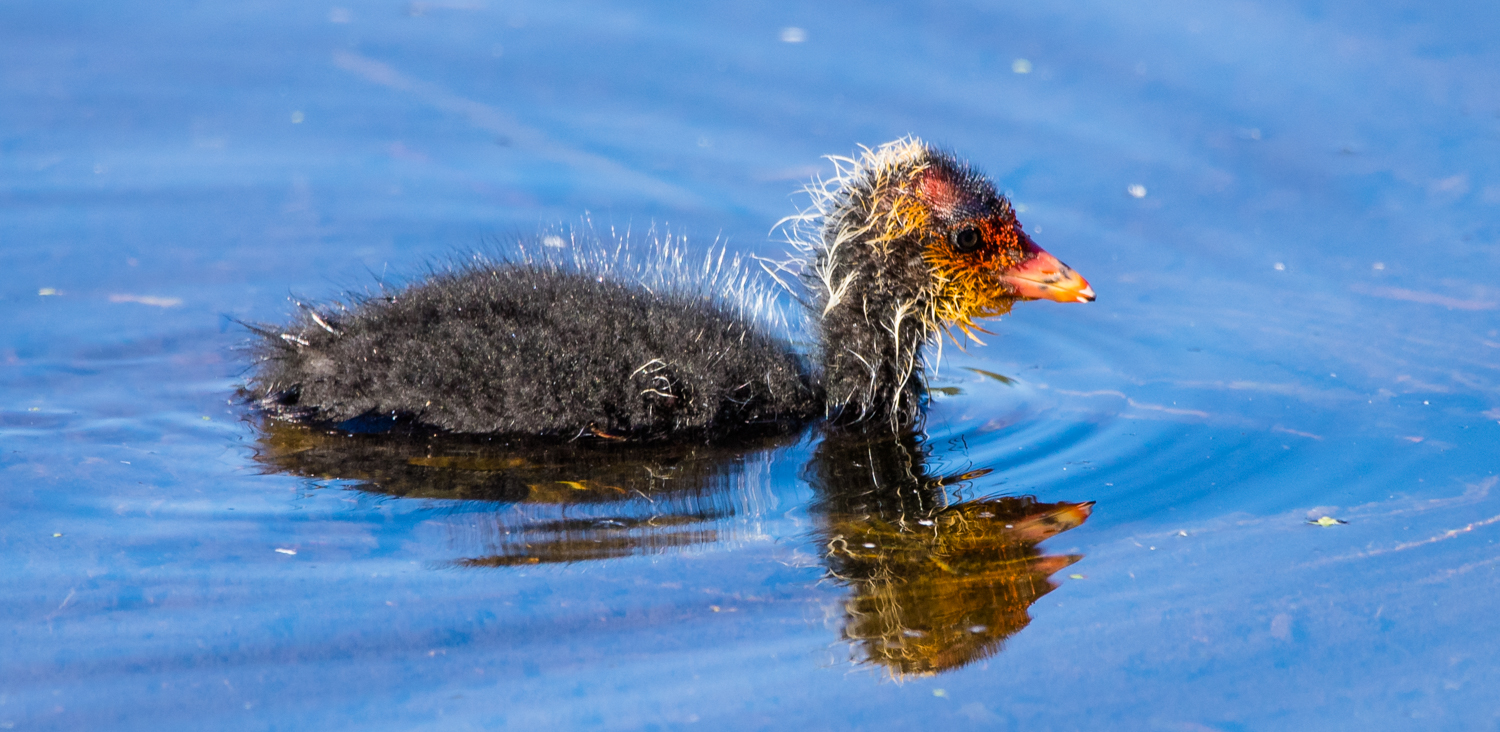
(1042, 277)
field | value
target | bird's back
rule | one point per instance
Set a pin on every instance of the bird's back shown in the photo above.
(537, 350)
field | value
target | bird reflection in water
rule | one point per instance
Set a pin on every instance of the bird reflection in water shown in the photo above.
(935, 583)
(564, 502)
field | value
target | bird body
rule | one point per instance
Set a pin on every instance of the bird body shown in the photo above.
(542, 350)
(905, 242)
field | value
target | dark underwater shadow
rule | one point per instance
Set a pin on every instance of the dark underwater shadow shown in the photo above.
(934, 583)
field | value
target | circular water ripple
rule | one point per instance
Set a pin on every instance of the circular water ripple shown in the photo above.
(1199, 424)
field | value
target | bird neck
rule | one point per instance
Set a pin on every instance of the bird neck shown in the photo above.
(874, 325)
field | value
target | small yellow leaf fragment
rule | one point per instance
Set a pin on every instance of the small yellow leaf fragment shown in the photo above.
(46, 291)
(56, 535)
(1076, 576)
(206, 419)
(940, 693)
(1327, 521)
(292, 552)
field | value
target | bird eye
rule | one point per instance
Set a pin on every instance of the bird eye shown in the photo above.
(967, 240)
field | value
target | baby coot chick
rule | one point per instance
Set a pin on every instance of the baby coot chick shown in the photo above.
(904, 242)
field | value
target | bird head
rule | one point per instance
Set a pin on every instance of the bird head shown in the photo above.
(980, 258)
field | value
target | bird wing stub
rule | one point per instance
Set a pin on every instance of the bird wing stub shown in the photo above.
(1042, 276)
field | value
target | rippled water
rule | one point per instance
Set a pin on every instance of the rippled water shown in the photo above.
(1288, 211)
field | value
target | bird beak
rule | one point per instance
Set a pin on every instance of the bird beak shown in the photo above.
(1042, 277)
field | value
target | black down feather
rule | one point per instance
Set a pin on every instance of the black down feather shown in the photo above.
(534, 349)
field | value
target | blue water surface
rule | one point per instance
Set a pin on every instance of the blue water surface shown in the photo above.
(1288, 210)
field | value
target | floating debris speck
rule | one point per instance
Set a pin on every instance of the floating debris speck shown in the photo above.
(160, 302)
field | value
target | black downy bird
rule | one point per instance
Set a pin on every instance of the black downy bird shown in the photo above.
(905, 242)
